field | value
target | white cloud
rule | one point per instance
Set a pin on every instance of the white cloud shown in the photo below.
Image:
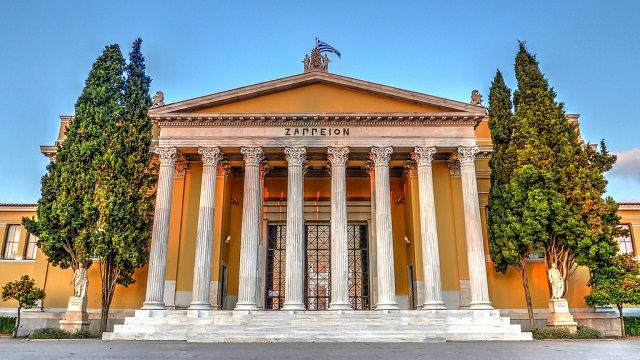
(628, 165)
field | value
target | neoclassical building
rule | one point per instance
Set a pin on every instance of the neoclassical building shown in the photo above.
(315, 198)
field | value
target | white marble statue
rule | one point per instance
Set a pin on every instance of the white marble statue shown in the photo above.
(80, 281)
(557, 282)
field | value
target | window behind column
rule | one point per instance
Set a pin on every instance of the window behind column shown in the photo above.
(625, 241)
(31, 249)
(11, 242)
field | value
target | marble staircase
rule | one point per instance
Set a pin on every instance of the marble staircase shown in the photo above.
(317, 326)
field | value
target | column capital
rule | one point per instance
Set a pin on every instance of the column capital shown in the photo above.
(423, 155)
(181, 167)
(167, 155)
(371, 169)
(210, 155)
(381, 154)
(264, 169)
(411, 170)
(223, 169)
(338, 155)
(467, 154)
(295, 155)
(252, 155)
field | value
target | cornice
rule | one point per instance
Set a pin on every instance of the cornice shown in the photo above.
(309, 119)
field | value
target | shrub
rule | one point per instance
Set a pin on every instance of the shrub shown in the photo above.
(583, 332)
(632, 325)
(7, 324)
(53, 333)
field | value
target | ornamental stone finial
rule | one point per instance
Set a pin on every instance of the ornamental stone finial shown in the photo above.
(167, 155)
(380, 155)
(296, 156)
(338, 155)
(252, 155)
(467, 154)
(423, 155)
(476, 98)
(158, 99)
(316, 61)
(210, 155)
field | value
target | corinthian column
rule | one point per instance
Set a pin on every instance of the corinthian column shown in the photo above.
(204, 241)
(160, 234)
(384, 235)
(247, 294)
(339, 240)
(294, 272)
(473, 229)
(429, 234)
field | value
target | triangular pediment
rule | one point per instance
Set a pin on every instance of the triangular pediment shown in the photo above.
(317, 92)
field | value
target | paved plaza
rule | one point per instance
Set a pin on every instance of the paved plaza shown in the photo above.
(96, 349)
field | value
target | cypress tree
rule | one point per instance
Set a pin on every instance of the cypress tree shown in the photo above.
(67, 217)
(554, 195)
(123, 187)
(507, 245)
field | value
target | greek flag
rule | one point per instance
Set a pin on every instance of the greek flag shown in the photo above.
(324, 47)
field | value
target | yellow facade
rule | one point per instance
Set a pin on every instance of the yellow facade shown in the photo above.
(505, 289)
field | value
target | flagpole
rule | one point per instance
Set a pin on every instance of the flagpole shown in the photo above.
(316, 43)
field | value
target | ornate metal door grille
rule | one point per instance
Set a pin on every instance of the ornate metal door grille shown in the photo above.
(318, 277)
(358, 267)
(276, 239)
(318, 266)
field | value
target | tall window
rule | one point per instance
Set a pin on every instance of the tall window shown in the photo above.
(626, 244)
(11, 242)
(30, 251)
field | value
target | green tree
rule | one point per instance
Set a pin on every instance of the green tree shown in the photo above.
(560, 176)
(547, 185)
(67, 217)
(122, 196)
(615, 282)
(509, 245)
(25, 292)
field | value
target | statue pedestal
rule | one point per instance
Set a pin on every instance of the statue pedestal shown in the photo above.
(76, 317)
(559, 315)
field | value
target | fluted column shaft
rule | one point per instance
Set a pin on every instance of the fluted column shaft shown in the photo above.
(428, 230)
(384, 235)
(339, 239)
(473, 229)
(160, 234)
(373, 257)
(295, 247)
(247, 294)
(204, 240)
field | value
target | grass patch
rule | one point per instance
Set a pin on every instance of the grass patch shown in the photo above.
(583, 332)
(632, 325)
(53, 333)
(7, 324)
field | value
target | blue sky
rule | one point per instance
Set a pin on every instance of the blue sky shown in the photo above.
(588, 49)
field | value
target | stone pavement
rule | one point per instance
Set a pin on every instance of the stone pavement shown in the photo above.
(165, 350)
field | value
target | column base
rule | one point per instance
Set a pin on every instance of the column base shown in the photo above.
(293, 307)
(153, 305)
(434, 305)
(246, 307)
(340, 306)
(480, 306)
(388, 306)
(199, 306)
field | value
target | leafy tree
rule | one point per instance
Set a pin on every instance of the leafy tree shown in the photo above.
(560, 176)
(547, 185)
(122, 196)
(615, 282)
(25, 292)
(67, 217)
(509, 245)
